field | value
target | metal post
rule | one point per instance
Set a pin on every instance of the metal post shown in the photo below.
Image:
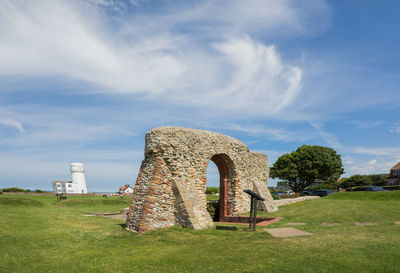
(253, 207)
(251, 212)
(255, 214)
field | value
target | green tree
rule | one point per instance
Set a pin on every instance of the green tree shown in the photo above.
(212, 190)
(355, 181)
(301, 167)
(378, 179)
(363, 180)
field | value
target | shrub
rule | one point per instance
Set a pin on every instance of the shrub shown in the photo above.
(15, 189)
(323, 186)
(212, 190)
(213, 210)
(363, 180)
(392, 188)
(275, 196)
(38, 191)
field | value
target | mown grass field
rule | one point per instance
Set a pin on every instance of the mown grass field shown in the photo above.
(38, 234)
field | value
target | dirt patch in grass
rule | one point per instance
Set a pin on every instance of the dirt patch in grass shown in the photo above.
(118, 216)
(296, 224)
(330, 224)
(365, 224)
(286, 232)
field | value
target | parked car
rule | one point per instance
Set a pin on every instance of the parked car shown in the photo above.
(289, 193)
(369, 188)
(322, 192)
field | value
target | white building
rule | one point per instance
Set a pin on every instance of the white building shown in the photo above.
(126, 189)
(61, 186)
(78, 183)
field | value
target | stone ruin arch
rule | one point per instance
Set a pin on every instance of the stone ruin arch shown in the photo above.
(170, 187)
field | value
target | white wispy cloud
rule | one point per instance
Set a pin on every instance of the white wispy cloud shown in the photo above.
(208, 55)
(370, 167)
(60, 130)
(366, 124)
(372, 162)
(383, 158)
(269, 133)
(157, 54)
(387, 151)
(258, 75)
(395, 129)
(11, 123)
(329, 138)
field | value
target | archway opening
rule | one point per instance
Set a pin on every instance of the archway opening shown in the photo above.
(212, 190)
(220, 173)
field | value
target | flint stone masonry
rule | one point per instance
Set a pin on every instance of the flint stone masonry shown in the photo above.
(170, 187)
(288, 201)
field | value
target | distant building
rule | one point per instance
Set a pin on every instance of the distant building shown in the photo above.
(317, 182)
(394, 176)
(62, 186)
(283, 186)
(78, 183)
(126, 189)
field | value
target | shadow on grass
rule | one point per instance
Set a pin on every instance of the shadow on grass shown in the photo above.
(226, 228)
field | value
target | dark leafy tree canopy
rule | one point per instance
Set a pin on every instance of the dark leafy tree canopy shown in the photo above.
(308, 163)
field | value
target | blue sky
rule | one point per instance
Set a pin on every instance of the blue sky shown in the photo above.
(85, 80)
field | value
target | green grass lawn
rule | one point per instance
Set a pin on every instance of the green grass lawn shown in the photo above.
(38, 234)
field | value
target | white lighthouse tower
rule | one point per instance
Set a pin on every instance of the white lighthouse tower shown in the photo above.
(78, 177)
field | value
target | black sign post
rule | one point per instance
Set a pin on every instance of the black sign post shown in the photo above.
(253, 208)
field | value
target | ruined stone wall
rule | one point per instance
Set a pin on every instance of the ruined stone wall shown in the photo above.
(171, 182)
(288, 201)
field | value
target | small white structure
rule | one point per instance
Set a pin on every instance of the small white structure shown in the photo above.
(62, 186)
(126, 189)
(78, 183)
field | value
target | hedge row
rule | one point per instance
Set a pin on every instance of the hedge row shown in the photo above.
(212, 190)
(392, 188)
(15, 189)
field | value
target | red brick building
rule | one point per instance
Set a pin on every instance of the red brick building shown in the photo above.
(394, 176)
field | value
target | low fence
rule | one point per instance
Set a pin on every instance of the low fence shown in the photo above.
(288, 201)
